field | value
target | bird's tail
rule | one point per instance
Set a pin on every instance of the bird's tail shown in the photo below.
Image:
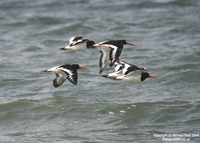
(64, 48)
(107, 76)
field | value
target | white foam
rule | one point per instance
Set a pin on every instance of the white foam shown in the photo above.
(122, 111)
(111, 113)
(133, 105)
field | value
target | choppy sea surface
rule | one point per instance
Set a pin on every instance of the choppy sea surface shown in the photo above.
(166, 34)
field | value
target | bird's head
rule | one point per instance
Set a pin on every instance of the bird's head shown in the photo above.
(145, 75)
(125, 43)
(76, 66)
(90, 44)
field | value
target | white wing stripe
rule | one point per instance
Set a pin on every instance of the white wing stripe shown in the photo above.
(66, 70)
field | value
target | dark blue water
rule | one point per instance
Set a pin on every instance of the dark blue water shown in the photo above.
(166, 34)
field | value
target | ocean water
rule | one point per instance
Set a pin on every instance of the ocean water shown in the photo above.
(98, 110)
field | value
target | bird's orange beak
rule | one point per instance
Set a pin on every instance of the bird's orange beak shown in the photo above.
(129, 44)
(152, 77)
(83, 68)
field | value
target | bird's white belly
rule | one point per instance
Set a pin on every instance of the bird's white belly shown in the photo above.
(132, 79)
(79, 47)
(115, 74)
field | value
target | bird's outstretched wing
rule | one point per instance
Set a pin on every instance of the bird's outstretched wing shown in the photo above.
(103, 61)
(58, 81)
(115, 52)
(72, 75)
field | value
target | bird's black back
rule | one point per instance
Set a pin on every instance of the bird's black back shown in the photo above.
(71, 66)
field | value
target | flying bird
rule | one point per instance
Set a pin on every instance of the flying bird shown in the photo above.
(63, 72)
(78, 44)
(128, 73)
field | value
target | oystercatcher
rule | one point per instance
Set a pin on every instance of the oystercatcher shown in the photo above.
(129, 73)
(78, 43)
(64, 72)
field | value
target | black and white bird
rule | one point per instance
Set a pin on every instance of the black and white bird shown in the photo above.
(78, 44)
(64, 72)
(128, 73)
(110, 52)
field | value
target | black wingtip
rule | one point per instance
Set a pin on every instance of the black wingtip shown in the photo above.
(55, 86)
(111, 65)
(100, 71)
(105, 76)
